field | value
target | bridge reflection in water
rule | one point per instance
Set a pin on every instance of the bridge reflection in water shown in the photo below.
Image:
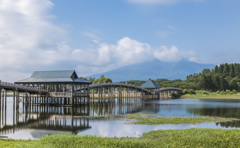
(62, 119)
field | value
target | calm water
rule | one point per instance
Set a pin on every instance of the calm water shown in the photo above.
(33, 122)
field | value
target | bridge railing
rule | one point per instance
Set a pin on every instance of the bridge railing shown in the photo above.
(20, 87)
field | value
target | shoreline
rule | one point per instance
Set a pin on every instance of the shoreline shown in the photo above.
(211, 97)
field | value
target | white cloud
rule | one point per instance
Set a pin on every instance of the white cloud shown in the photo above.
(173, 54)
(30, 41)
(27, 36)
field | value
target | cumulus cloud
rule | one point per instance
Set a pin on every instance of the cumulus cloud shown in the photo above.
(30, 41)
(173, 54)
(27, 36)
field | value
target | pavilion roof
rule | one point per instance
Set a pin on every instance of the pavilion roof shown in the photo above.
(150, 84)
(61, 76)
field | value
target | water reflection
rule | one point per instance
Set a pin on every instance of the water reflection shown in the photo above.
(61, 119)
(24, 122)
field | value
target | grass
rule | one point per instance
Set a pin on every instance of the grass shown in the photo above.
(205, 138)
(210, 95)
(150, 119)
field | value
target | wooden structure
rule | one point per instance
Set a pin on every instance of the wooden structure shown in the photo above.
(61, 87)
(123, 91)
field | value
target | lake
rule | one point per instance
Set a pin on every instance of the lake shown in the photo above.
(34, 122)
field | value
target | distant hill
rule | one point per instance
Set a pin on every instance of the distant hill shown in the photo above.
(155, 69)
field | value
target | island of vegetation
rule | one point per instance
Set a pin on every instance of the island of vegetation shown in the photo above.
(155, 119)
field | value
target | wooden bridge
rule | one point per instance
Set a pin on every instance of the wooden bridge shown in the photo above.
(21, 88)
(127, 90)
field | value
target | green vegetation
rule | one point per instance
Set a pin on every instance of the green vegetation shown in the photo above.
(151, 119)
(202, 94)
(206, 138)
(102, 79)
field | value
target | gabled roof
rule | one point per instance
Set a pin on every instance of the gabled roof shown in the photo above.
(150, 84)
(61, 76)
(54, 74)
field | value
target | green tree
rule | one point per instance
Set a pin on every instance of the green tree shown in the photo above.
(226, 70)
(236, 69)
(220, 70)
(216, 81)
(203, 83)
(223, 83)
(234, 85)
(232, 72)
(206, 71)
(102, 79)
(90, 79)
(216, 69)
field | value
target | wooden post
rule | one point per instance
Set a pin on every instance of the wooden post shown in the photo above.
(98, 94)
(2, 106)
(13, 107)
(0, 103)
(0, 99)
(5, 113)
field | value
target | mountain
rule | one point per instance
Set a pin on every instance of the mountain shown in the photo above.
(155, 69)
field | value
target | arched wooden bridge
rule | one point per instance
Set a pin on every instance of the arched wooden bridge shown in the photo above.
(126, 90)
(115, 85)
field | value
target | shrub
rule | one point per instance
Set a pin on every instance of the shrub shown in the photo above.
(222, 92)
(191, 91)
(204, 92)
(234, 91)
(228, 91)
(218, 92)
(185, 91)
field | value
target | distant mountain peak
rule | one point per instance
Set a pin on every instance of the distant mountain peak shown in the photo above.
(155, 69)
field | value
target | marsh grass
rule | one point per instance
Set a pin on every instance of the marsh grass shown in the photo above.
(152, 119)
(205, 138)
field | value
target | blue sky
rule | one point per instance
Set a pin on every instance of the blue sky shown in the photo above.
(93, 36)
(206, 27)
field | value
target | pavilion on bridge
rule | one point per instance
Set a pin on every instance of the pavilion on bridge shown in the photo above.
(60, 84)
(150, 85)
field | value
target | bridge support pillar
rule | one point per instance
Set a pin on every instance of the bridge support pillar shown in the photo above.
(13, 107)
(0, 100)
